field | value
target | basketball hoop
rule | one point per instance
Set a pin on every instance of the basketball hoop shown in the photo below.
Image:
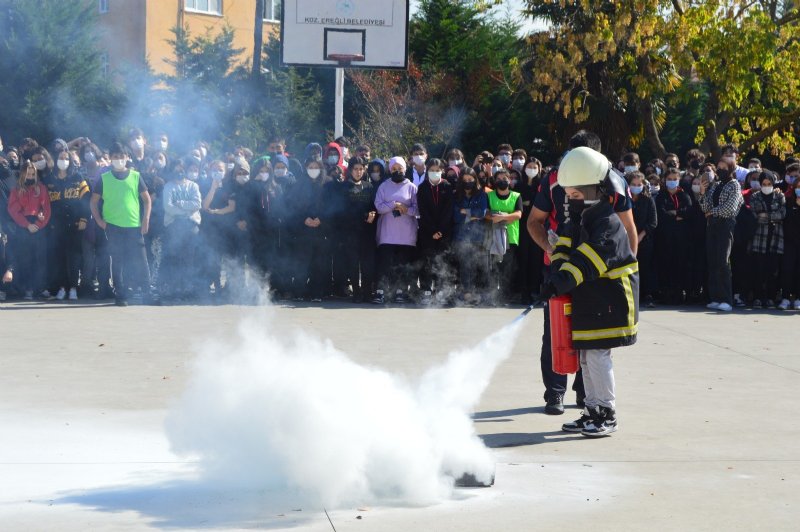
(344, 60)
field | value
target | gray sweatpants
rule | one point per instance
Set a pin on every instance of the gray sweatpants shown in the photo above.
(598, 377)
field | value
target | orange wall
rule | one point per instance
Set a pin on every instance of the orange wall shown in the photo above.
(137, 30)
(122, 33)
(162, 15)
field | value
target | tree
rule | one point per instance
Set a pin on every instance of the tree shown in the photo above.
(616, 67)
(52, 82)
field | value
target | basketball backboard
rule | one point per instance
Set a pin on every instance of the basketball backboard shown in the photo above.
(369, 33)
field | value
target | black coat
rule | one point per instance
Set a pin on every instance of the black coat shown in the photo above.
(435, 205)
(645, 217)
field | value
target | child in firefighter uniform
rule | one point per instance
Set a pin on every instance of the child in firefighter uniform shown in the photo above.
(593, 262)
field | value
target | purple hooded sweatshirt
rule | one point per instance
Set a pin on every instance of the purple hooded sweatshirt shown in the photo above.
(399, 230)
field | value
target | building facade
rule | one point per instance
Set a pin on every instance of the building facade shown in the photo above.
(135, 32)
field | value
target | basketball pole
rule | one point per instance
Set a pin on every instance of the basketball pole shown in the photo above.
(339, 107)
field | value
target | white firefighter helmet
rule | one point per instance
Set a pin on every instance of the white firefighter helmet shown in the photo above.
(582, 166)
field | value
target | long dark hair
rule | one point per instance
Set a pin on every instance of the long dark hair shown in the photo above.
(461, 193)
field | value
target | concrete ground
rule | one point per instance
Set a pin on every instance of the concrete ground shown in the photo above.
(705, 402)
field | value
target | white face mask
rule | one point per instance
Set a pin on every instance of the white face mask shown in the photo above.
(435, 177)
(658, 171)
(710, 175)
(518, 163)
(419, 160)
(203, 152)
(767, 190)
(313, 173)
(161, 163)
(242, 179)
(531, 172)
(63, 164)
(164, 145)
(281, 172)
(654, 190)
(629, 169)
(375, 176)
(217, 176)
(696, 189)
(239, 160)
(40, 165)
(230, 166)
(333, 159)
(264, 176)
(118, 164)
(192, 176)
(454, 162)
(137, 144)
(506, 158)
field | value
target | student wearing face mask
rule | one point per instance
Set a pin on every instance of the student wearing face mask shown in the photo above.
(218, 220)
(654, 185)
(767, 245)
(333, 158)
(29, 208)
(697, 247)
(529, 255)
(469, 233)
(179, 275)
(435, 203)
(694, 162)
(455, 157)
(518, 159)
(42, 161)
(137, 146)
(672, 239)
(790, 179)
(646, 219)
(631, 163)
(504, 213)
(721, 201)
(96, 263)
(376, 172)
(396, 205)
(125, 218)
(416, 171)
(332, 213)
(743, 262)
(358, 227)
(790, 263)
(154, 178)
(240, 251)
(305, 222)
(69, 205)
(504, 155)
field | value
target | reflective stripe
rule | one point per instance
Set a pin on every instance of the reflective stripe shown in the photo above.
(576, 273)
(600, 334)
(592, 255)
(626, 283)
(564, 241)
(622, 271)
(559, 256)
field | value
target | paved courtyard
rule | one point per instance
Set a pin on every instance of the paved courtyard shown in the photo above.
(707, 440)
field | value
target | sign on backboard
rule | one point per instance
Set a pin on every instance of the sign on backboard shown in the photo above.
(317, 33)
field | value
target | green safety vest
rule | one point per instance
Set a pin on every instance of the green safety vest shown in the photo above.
(497, 204)
(121, 199)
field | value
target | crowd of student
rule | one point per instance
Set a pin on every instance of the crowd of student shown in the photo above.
(136, 221)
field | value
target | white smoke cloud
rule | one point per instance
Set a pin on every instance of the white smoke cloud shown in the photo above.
(283, 410)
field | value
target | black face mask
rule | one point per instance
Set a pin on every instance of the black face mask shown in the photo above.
(398, 177)
(502, 184)
(469, 185)
(724, 175)
(483, 180)
(13, 164)
(30, 182)
(695, 164)
(672, 164)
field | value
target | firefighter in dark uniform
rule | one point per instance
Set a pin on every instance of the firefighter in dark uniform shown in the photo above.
(593, 262)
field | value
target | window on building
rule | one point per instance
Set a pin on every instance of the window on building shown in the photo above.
(102, 6)
(205, 6)
(272, 10)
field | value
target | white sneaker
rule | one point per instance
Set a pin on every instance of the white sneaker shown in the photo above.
(724, 307)
(73, 294)
(785, 304)
(61, 294)
(713, 305)
(797, 304)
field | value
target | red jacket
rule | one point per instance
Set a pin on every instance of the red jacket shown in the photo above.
(29, 201)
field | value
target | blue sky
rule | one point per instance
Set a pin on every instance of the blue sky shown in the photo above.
(513, 5)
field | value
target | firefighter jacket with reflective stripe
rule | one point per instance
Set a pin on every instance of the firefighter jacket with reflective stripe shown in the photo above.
(593, 262)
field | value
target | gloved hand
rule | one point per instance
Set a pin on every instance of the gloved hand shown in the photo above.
(548, 291)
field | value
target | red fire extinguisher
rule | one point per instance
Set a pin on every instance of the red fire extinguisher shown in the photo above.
(565, 358)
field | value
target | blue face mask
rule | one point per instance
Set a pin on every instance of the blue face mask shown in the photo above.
(672, 185)
(755, 185)
(637, 190)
